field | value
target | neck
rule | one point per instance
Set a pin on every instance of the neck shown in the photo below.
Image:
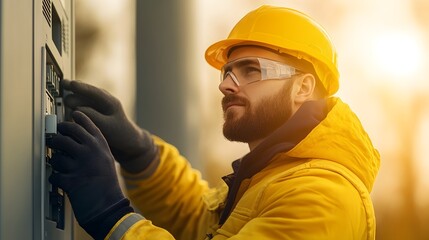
(254, 144)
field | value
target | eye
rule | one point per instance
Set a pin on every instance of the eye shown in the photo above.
(248, 70)
(250, 73)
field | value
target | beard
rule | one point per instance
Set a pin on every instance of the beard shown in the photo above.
(259, 121)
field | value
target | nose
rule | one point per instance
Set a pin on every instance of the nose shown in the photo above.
(228, 86)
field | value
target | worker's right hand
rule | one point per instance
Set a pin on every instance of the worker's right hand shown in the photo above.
(131, 146)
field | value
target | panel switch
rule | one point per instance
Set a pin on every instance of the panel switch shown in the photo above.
(50, 124)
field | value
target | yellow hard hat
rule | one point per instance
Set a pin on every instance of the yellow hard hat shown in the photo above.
(286, 31)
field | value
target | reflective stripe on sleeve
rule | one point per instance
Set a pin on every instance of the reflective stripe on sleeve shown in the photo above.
(123, 227)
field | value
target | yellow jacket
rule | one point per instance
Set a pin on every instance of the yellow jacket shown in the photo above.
(319, 189)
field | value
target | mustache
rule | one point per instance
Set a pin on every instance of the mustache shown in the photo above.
(233, 99)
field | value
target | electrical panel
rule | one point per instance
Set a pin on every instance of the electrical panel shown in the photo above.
(36, 54)
(56, 64)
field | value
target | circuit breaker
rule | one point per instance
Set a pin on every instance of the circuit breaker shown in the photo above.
(57, 214)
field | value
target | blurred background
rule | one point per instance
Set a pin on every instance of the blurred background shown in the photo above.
(150, 54)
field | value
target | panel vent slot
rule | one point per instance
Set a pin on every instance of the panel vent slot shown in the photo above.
(65, 36)
(47, 11)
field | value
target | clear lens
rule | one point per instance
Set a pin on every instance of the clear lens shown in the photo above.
(252, 69)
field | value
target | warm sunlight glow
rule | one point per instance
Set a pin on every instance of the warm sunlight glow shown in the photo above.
(398, 54)
(422, 165)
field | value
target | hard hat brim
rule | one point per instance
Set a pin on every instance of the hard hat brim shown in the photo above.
(217, 54)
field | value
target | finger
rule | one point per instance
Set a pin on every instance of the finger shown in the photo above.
(65, 83)
(64, 144)
(106, 107)
(74, 131)
(84, 121)
(62, 180)
(95, 116)
(75, 100)
(88, 95)
(63, 163)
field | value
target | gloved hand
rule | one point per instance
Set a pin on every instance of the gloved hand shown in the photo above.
(131, 146)
(84, 169)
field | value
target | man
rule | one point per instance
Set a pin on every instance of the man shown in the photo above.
(308, 174)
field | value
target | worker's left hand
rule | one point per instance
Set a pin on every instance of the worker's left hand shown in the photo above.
(84, 169)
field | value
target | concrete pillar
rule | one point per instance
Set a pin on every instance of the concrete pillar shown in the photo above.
(165, 88)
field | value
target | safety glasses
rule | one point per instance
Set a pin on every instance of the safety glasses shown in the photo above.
(248, 70)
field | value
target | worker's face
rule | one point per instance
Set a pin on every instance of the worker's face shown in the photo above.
(253, 111)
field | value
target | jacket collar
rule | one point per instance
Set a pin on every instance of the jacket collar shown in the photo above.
(309, 115)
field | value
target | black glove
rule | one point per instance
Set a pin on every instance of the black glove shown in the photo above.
(131, 146)
(85, 170)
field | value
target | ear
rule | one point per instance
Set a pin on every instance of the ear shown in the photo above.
(304, 88)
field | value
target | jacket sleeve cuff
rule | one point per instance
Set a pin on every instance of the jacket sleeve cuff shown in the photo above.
(146, 173)
(100, 226)
(122, 226)
(141, 162)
